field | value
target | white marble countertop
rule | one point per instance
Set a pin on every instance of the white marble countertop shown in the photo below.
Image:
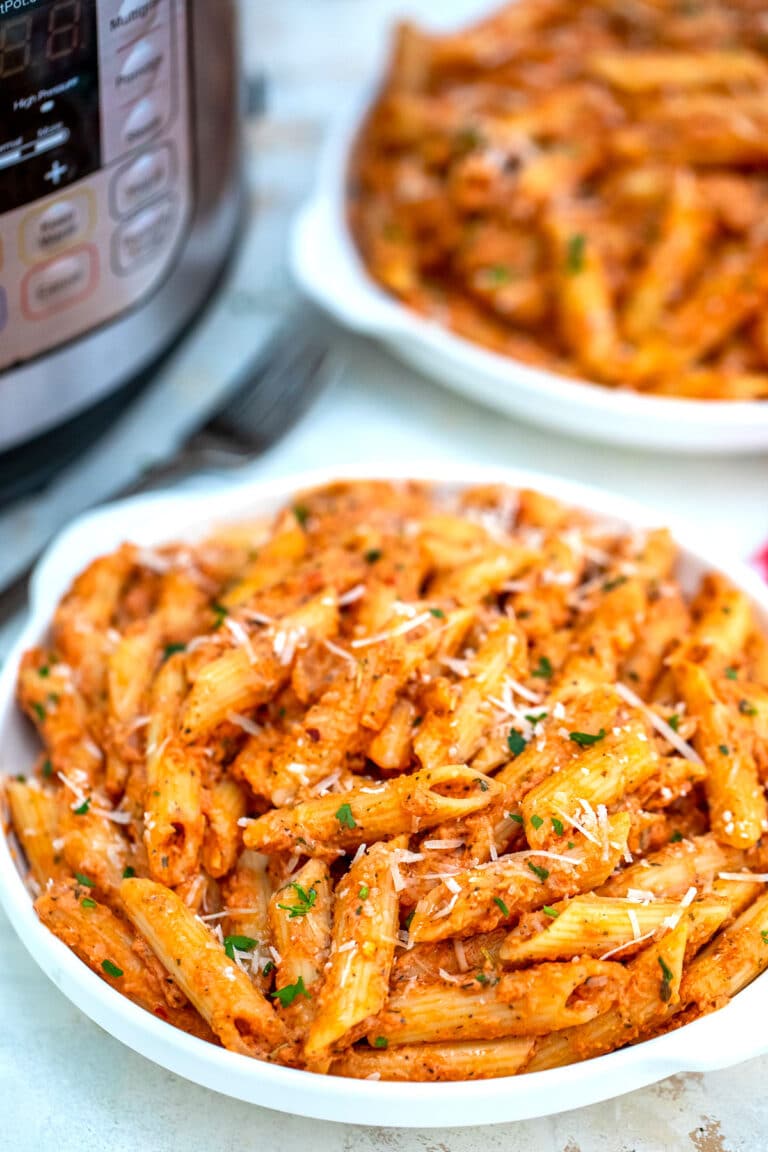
(65, 1084)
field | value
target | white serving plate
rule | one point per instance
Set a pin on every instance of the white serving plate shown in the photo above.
(326, 265)
(716, 1041)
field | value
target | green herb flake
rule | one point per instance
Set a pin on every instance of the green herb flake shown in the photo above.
(536, 822)
(381, 1042)
(242, 943)
(39, 711)
(676, 836)
(533, 718)
(111, 969)
(129, 873)
(345, 817)
(501, 905)
(363, 893)
(268, 967)
(45, 671)
(498, 274)
(84, 880)
(667, 976)
(409, 920)
(305, 901)
(82, 808)
(47, 768)
(373, 555)
(723, 749)
(574, 260)
(674, 722)
(87, 902)
(541, 873)
(747, 708)
(437, 613)
(616, 582)
(764, 935)
(543, 669)
(516, 741)
(301, 512)
(172, 649)
(731, 673)
(287, 995)
(557, 825)
(481, 978)
(220, 613)
(483, 785)
(516, 817)
(548, 910)
(586, 739)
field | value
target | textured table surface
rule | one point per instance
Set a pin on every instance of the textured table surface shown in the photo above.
(66, 1085)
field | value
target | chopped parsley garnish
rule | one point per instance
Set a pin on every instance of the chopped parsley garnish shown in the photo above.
(551, 912)
(468, 138)
(87, 903)
(84, 880)
(516, 741)
(483, 785)
(409, 920)
(585, 739)
(516, 817)
(574, 260)
(220, 612)
(268, 967)
(242, 943)
(47, 768)
(345, 817)
(541, 873)
(536, 822)
(129, 873)
(498, 274)
(533, 718)
(667, 976)
(481, 978)
(363, 893)
(44, 671)
(111, 969)
(723, 749)
(543, 669)
(438, 612)
(674, 722)
(557, 825)
(381, 1042)
(764, 935)
(301, 512)
(38, 710)
(747, 708)
(373, 555)
(731, 674)
(82, 808)
(676, 836)
(305, 901)
(501, 905)
(616, 582)
(172, 649)
(287, 995)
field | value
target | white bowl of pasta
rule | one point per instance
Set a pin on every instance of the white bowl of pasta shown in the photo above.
(391, 908)
(472, 312)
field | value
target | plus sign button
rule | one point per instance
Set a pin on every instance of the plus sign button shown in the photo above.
(56, 173)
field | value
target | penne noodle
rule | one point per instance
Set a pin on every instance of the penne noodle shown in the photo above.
(470, 1060)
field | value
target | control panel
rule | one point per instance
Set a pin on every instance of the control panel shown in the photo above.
(95, 163)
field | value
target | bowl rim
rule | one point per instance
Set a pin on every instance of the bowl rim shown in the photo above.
(357, 301)
(715, 1041)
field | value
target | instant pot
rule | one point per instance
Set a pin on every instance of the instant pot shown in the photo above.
(120, 197)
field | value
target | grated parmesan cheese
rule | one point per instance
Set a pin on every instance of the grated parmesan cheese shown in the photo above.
(661, 726)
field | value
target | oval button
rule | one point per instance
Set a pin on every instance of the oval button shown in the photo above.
(145, 177)
(143, 121)
(136, 16)
(60, 283)
(60, 225)
(144, 237)
(140, 69)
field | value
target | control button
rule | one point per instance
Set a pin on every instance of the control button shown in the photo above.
(135, 16)
(3, 309)
(142, 180)
(60, 283)
(60, 224)
(143, 121)
(140, 69)
(56, 173)
(144, 237)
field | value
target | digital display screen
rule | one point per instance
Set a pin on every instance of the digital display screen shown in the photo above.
(49, 97)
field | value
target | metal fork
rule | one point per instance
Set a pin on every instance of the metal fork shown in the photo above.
(269, 396)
